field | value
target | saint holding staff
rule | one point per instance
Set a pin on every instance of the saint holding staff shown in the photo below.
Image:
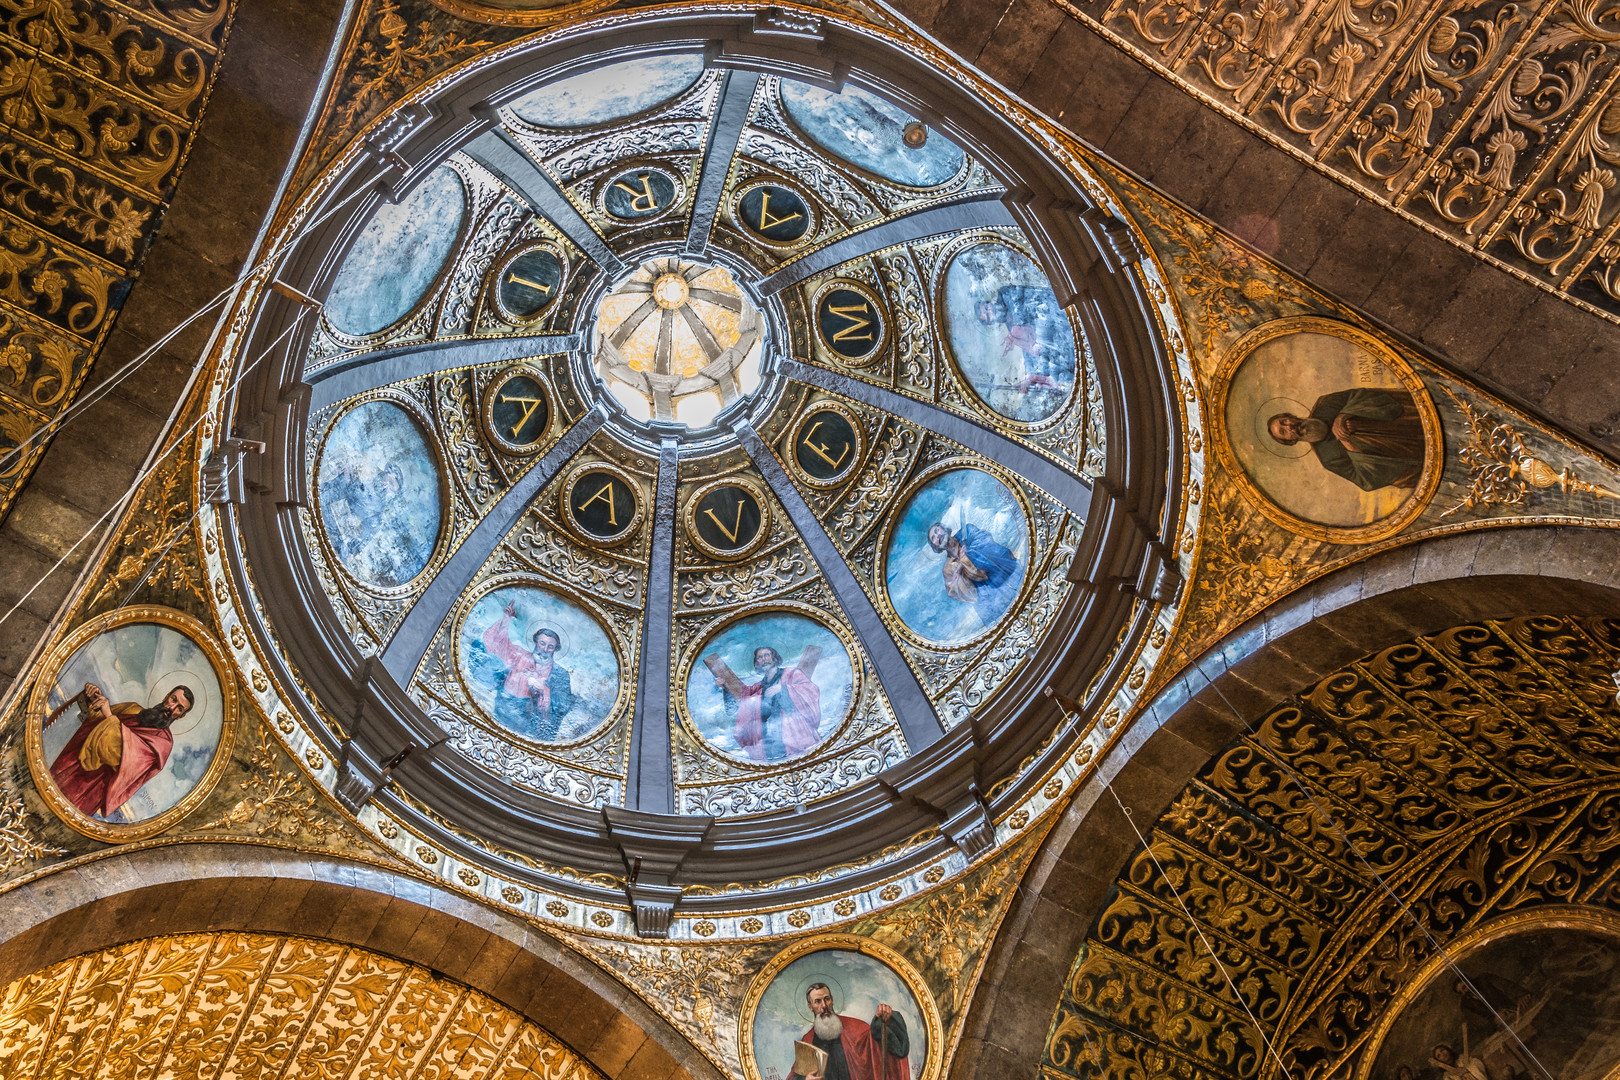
(777, 712)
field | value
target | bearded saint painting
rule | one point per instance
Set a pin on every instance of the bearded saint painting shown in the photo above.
(839, 1014)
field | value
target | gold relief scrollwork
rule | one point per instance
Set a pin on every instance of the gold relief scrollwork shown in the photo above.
(53, 283)
(778, 571)
(481, 481)
(613, 576)
(18, 844)
(278, 804)
(873, 491)
(693, 987)
(1502, 470)
(50, 191)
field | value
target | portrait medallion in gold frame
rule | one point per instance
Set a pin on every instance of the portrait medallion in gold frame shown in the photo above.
(593, 489)
(1326, 430)
(821, 451)
(521, 12)
(133, 738)
(720, 521)
(859, 973)
(517, 410)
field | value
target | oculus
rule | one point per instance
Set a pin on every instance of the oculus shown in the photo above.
(869, 133)
(538, 663)
(517, 411)
(640, 194)
(397, 257)
(849, 322)
(1010, 338)
(1329, 432)
(955, 560)
(770, 686)
(827, 444)
(610, 92)
(529, 284)
(132, 724)
(601, 503)
(844, 995)
(727, 519)
(380, 492)
(775, 214)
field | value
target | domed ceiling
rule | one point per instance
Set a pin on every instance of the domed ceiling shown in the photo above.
(697, 444)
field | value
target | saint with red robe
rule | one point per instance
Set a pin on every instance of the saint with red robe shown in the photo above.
(117, 749)
(778, 714)
(855, 1049)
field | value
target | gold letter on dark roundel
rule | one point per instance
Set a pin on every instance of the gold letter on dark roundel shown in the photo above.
(825, 447)
(518, 411)
(727, 518)
(602, 504)
(774, 214)
(640, 193)
(529, 283)
(849, 322)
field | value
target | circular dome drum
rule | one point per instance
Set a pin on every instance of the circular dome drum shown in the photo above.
(786, 445)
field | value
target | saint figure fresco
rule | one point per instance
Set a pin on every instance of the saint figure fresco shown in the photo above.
(1009, 335)
(836, 1014)
(956, 560)
(134, 722)
(1542, 1004)
(380, 495)
(538, 664)
(771, 686)
(611, 92)
(1326, 428)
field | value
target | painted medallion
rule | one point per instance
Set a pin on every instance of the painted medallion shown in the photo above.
(612, 92)
(868, 132)
(398, 256)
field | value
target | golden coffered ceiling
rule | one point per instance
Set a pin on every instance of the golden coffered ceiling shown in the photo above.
(257, 1005)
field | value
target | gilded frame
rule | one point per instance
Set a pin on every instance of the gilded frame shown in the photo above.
(521, 579)
(1434, 442)
(689, 515)
(683, 672)
(430, 431)
(1552, 917)
(937, 1051)
(532, 18)
(791, 458)
(565, 504)
(486, 410)
(892, 520)
(628, 165)
(885, 321)
(942, 335)
(507, 313)
(764, 178)
(52, 665)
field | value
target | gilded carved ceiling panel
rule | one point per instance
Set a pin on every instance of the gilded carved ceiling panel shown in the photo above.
(1292, 893)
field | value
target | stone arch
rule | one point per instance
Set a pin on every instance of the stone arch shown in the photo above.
(213, 887)
(1387, 599)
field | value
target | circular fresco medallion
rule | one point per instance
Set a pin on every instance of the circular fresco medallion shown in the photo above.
(517, 410)
(640, 194)
(1011, 339)
(955, 561)
(776, 214)
(610, 92)
(827, 444)
(601, 503)
(538, 663)
(870, 133)
(529, 283)
(381, 494)
(850, 322)
(770, 686)
(728, 519)
(397, 256)
(846, 994)
(132, 723)
(1328, 431)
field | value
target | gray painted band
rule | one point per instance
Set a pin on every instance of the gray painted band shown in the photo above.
(725, 132)
(342, 381)
(652, 785)
(411, 640)
(979, 213)
(1070, 490)
(495, 151)
(918, 721)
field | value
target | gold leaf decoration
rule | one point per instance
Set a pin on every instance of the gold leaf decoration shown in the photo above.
(17, 843)
(279, 804)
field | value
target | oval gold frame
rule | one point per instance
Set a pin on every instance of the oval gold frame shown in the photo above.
(1434, 444)
(683, 673)
(58, 657)
(520, 579)
(975, 401)
(791, 458)
(484, 13)
(430, 433)
(486, 410)
(565, 505)
(527, 249)
(630, 165)
(884, 322)
(689, 512)
(892, 521)
(1552, 917)
(761, 179)
(884, 955)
